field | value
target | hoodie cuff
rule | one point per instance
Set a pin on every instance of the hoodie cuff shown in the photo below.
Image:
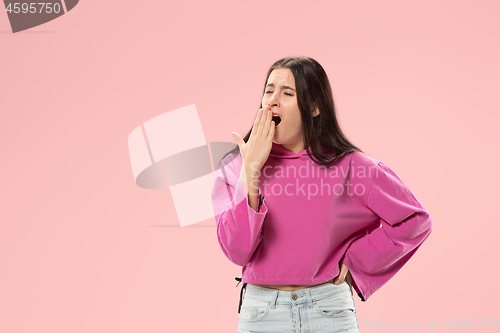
(241, 194)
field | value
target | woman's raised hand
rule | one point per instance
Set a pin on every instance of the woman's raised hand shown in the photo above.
(256, 150)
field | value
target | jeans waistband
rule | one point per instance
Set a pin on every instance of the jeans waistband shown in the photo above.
(301, 296)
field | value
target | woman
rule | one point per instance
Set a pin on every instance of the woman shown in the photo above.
(306, 213)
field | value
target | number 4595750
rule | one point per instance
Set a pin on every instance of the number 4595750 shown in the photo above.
(471, 323)
(31, 7)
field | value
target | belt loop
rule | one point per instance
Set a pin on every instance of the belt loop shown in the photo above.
(241, 296)
(309, 298)
(241, 292)
(274, 299)
(347, 281)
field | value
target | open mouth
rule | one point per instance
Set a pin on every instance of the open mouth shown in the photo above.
(276, 119)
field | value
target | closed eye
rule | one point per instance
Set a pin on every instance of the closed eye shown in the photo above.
(270, 92)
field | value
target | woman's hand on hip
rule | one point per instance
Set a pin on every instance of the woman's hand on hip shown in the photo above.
(344, 274)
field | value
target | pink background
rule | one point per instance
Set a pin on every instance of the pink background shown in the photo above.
(84, 249)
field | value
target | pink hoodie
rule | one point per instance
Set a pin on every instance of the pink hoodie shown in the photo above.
(355, 211)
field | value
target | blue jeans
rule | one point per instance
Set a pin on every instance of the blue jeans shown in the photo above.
(323, 308)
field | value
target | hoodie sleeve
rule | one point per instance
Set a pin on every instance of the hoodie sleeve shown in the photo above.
(375, 258)
(239, 226)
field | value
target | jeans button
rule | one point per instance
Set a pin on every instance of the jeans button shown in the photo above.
(294, 297)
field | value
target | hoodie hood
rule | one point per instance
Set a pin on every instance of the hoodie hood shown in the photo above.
(279, 152)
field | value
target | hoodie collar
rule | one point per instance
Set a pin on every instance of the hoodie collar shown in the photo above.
(279, 152)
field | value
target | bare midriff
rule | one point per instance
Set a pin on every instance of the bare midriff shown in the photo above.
(288, 287)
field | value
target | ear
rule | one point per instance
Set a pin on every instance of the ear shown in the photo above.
(315, 112)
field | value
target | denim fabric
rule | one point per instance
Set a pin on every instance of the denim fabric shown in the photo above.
(323, 308)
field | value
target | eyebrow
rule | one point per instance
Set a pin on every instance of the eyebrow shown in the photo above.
(282, 87)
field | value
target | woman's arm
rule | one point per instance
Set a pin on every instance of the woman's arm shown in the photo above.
(239, 225)
(251, 184)
(405, 224)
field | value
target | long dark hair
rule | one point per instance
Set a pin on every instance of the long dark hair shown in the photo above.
(313, 90)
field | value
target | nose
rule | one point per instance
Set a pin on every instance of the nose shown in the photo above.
(273, 101)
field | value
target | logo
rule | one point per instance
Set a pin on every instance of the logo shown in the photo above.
(29, 14)
(171, 150)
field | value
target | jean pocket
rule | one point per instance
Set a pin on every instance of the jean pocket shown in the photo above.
(336, 306)
(253, 310)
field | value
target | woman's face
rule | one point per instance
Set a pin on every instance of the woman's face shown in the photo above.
(280, 94)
